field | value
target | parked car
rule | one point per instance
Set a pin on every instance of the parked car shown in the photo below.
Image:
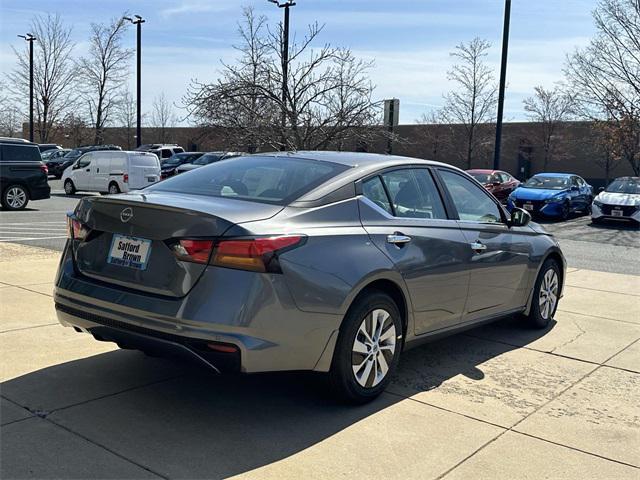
(54, 153)
(328, 261)
(499, 183)
(206, 159)
(161, 150)
(170, 164)
(553, 195)
(620, 200)
(70, 158)
(111, 172)
(44, 147)
(23, 176)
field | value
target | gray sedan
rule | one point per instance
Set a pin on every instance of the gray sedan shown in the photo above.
(323, 261)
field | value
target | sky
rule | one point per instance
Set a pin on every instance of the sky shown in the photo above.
(410, 40)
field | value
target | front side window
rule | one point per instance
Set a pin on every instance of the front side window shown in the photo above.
(472, 203)
(413, 194)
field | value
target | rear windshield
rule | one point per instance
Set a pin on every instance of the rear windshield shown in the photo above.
(20, 153)
(275, 180)
(143, 159)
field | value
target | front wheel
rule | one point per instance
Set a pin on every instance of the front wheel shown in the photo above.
(368, 349)
(566, 210)
(546, 293)
(15, 197)
(69, 187)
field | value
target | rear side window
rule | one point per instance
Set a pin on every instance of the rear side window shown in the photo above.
(374, 191)
(178, 150)
(414, 194)
(20, 153)
(275, 180)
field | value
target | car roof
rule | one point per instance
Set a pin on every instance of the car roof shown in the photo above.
(482, 170)
(635, 179)
(355, 159)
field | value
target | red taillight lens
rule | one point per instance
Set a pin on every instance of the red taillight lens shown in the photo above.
(125, 178)
(252, 254)
(197, 251)
(76, 230)
(44, 169)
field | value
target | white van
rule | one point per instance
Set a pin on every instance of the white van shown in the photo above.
(111, 171)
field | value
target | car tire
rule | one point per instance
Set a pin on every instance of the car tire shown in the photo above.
(15, 197)
(370, 338)
(545, 296)
(69, 187)
(113, 188)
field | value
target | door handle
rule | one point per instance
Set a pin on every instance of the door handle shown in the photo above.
(398, 238)
(478, 247)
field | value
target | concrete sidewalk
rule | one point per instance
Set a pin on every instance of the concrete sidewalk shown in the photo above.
(500, 401)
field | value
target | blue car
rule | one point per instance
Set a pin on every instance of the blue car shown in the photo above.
(554, 195)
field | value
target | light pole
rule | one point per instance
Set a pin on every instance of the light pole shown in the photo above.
(138, 23)
(285, 64)
(30, 38)
(503, 76)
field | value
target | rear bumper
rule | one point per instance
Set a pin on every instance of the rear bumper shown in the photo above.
(253, 312)
(41, 192)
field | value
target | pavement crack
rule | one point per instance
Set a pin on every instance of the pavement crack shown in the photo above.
(580, 333)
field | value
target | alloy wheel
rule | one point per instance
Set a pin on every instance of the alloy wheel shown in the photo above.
(16, 197)
(373, 348)
(548, 296)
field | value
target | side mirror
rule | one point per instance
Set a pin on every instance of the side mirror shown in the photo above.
(496, 184)
(519, 217)
(601, 189)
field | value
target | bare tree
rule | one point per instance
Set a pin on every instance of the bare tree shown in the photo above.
(548, 109)
(54, 74)
(605, 77)
(104, 72)
(11, 116)
(75, 129)
(472, 104)
(435, 133)
(163, 117)
(328, 95)
(125, 116)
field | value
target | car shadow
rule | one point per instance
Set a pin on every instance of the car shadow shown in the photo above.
(196, 424)
(75, 195)
(615, 225)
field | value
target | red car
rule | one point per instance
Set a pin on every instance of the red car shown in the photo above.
(499, 183)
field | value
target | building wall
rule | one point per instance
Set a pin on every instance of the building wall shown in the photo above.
(522, 154)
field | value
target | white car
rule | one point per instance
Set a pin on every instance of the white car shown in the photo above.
(111, 171)
(206, 159)
(620, 200)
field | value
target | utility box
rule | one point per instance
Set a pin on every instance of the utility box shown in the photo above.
(391, 112)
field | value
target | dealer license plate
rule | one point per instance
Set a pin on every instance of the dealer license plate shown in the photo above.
(616, 213)
(129, 251)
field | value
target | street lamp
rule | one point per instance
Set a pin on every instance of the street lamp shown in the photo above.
(285, 63)
(503, 76)
(138, 23)
(30, 38)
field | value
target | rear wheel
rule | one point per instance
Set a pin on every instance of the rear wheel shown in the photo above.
(368, 349)
(15, 197)
(69, 187)
(113, 188)
(546, 294)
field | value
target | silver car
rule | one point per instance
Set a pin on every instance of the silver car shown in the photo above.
(323, 261)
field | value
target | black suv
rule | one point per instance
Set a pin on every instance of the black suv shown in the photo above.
(58, 165)
(23, 176)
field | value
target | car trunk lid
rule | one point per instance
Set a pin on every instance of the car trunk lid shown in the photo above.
(148, 224)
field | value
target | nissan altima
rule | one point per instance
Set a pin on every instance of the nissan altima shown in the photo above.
(322, 261)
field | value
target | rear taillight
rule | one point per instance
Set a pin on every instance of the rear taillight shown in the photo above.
(44, 169)
(76, 229)
(125, 178)
(255, 254)
(197, 251)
